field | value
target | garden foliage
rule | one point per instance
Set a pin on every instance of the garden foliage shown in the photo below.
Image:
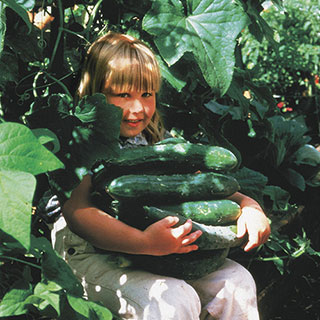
(221, 85)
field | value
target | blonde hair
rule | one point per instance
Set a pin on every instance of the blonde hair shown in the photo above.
(118, 62)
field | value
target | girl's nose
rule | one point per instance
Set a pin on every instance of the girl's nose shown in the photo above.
(136, 106)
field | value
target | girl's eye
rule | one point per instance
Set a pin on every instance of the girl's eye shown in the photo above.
(123, 95)
(147, 94)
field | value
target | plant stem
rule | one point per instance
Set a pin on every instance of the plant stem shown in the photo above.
(22, 261)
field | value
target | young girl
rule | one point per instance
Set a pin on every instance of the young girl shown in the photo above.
(126, 71)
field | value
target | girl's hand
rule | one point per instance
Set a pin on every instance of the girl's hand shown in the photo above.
(254, 223)
(163, 238)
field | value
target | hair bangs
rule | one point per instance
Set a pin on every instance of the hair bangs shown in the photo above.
(134, 71)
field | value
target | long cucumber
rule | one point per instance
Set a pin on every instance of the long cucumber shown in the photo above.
(167, 158)
(212, 212)
(149, 189)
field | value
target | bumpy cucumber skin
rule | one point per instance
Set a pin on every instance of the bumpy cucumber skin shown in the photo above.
(166, 158)
(175, 188)
(213, 237)
(212, 212)
(188, 266)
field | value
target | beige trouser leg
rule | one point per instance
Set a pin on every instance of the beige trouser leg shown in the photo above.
(134, 294)
(131, 294)
(227, 294)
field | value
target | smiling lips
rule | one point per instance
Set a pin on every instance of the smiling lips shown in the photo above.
(133, 123)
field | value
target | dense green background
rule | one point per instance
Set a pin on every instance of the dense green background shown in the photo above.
(235, 74)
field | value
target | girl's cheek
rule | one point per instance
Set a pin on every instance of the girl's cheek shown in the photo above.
(124, 113)
(150, 111)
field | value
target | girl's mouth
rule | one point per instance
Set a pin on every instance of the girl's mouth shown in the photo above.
(133, 123)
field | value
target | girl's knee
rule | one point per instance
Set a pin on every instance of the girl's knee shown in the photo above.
(241, 278)
(148, 297)
(172, 299)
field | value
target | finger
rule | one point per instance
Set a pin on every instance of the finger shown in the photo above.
(241, 228)
(169, 221)
(252, 243)
(192, 237)
(187, 249)
(265, 239)
(183, 229)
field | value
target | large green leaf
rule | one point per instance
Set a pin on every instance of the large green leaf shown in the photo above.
(55, 269)
(21, 7)
(206, 28)
(98, 135)
(16, 194)
(20, 150)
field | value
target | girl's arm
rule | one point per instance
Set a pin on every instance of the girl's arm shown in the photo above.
(252, 221)
(106, 232)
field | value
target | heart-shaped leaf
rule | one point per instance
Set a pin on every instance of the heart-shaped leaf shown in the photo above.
(20, 150)
(206, 28)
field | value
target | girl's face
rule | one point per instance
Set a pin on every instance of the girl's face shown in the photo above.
(138, 108)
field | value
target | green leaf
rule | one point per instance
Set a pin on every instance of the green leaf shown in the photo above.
(21, 7)
(252, 183)
(16, 194)
(54, 268)
(287, 136)
(208, 30)
(89, 309)
(279, 197)
(259, 27)
(13, 303)
(308, 155)
(169, 75)
(48, 138)
(46, 294)
(9, 67)
(20, 150)
(98, 136)
(279, 263)
(215, 107)
(295, 178)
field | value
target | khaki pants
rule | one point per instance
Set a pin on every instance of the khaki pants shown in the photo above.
(227, 294)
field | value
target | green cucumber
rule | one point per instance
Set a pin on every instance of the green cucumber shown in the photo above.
(188, 266)
(213, 237)
(172, 140)
(175, 188)
(211, 212)
(166, 158)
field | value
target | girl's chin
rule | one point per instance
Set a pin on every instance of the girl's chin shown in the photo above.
(130, 133)
(129, 130)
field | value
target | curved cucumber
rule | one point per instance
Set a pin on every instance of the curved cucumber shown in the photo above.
(210, 212)
(172, 188)
(213, 237)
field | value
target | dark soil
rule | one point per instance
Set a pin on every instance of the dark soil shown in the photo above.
(302, 300)
(296, 294)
